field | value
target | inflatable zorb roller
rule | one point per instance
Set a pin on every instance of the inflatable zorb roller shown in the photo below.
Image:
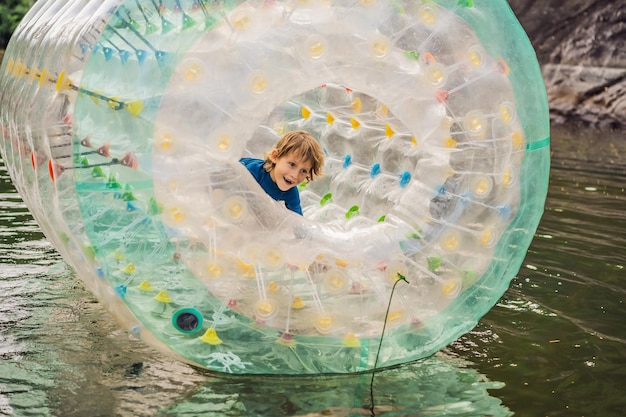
(123, 123)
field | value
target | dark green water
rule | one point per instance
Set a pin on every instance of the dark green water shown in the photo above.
(555, 344)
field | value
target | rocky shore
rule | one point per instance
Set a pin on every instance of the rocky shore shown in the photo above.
(581, 46)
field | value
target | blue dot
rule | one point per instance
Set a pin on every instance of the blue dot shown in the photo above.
(347, 161)
(405, 179)
(375, 170)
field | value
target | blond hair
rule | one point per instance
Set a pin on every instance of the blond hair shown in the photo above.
(304, 146)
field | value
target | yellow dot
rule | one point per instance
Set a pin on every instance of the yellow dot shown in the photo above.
(351, 340)
(481, 187)
(450, 287)
(475, 58)
(436, 75)
(265, 309)
(297, 303)
(306, 113)
(177, 214)
(474, 123)
(488, 237)
(341, 263)
(508, 178)
(223, 143)
(449, 143)
(242, 22)
(356, 105)
(213, 269)
(129, 269)
(235, 209)
(396, 271)
(427, 15)
(163, 297)
(335, 281)
(395, 315)
(258, 83)
(507, 112)
(273, 286)
(379, 48)
(315, 46)
(166, 141)
(324, 324)
(382, 111)
(273, 258)
(450, 241)
(518, 140)
(389, 132)
(193, 70)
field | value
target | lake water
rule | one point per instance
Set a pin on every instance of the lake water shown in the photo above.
(555, 344)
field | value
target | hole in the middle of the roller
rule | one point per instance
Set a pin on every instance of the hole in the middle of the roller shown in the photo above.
(368, 151)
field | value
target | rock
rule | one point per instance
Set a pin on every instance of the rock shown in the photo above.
(581, 47)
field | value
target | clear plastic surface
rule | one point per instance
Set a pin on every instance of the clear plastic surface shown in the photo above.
(123, 123)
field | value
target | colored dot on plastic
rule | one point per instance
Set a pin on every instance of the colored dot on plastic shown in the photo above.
(518, 140)
(427, 15)
(192, 70)
(324, 324)
(449, 143)
(488, 238)
(214, 269)
(474, 122)
(481, 186)
(258, 83)
(450, 241)
(436, 75)
(297, 303)
(451, 288)
(379, 48)
(265, 309)
(210, 337)
(235, 208)
(375, 170)
(242, 22)
(273, 258)
(507, 112)
(315, 46)
(224, 143)
(475, 57)
(352, 211)
(163, 297)
(166, 141)
(177, 214)
(405, 178)
(357, 105)
(508, 178)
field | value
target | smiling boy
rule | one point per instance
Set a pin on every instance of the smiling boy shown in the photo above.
(297, 157)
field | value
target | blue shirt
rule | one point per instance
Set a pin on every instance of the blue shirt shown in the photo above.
(291, 197)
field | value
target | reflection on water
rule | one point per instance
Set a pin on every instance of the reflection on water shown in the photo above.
(558, 336)
(556, 340)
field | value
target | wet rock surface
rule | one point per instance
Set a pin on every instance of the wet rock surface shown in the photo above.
(581, 46)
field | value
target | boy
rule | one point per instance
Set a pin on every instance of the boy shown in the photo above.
(296, 157)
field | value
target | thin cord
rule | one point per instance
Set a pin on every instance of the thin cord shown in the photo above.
(400, 278)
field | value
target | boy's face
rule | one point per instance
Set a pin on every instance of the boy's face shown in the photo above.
(289, 171)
